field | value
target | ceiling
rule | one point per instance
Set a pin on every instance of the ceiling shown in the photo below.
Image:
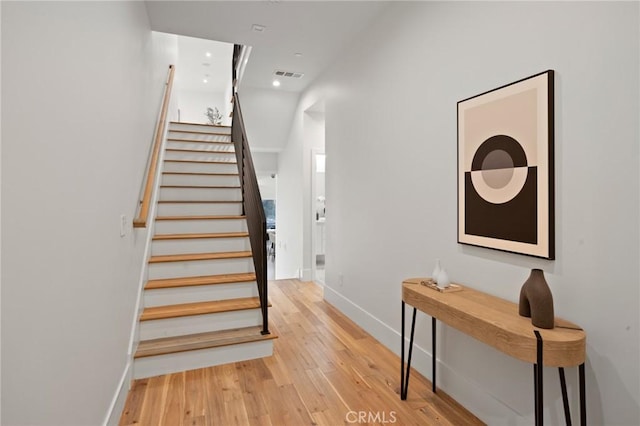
(318, 30)
(200, 60)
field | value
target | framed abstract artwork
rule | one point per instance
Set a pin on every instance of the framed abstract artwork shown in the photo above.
(505, 168)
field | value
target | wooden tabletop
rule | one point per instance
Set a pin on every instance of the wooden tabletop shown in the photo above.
(496, 322)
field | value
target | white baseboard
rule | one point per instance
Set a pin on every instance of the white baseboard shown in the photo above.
(117, 403)
(471, 395)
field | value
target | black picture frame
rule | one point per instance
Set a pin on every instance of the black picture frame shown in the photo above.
(506, 167)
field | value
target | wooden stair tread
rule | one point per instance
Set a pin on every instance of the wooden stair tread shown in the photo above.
(202, 280)
(197, 132)
(199, 256)
(200, 161)
(204, 217)
(200, 174)
(201, 235)
(200, 151)
(199, 308)
(212, 339)
(199, 141)
(202, 186)
(197, 202)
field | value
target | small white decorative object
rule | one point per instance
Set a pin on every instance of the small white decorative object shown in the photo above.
(443, 279)
(214, 116)
(436, 271)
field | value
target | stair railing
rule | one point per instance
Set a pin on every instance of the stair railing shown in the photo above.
(252, 208)
(152, 165)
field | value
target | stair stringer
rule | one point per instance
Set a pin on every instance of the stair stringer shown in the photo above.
(144, 267)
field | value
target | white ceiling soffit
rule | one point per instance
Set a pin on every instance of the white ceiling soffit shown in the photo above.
(319, 30)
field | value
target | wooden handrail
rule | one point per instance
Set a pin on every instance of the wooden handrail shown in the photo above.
(143, 215)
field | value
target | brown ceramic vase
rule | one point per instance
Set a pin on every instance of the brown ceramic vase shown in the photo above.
(536, 301)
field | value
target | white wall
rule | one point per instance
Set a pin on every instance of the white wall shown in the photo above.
(193, 105)
(267, 116)
(265, 163)
(289, 212)
(294, 210)
(390, 105)
(165, 50)
(82, 84)
(267, 186)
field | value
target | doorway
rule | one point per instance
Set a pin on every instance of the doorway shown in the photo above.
(315, 209)
(319, 219)
(267, 183)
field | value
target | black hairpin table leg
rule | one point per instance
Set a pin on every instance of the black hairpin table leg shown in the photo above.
(402, 355)
(583, 398)
(565, 398)
(404, 377)
(433, 354)
(539, 400)
(535, 393)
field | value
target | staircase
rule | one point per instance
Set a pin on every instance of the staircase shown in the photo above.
(201, 301)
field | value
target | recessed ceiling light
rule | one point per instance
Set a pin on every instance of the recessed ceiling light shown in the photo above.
(276, 83)
(298, 55)
(258, 28)
(204, 80)
(208, 54)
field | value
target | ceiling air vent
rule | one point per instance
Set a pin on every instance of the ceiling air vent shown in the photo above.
(288, 74)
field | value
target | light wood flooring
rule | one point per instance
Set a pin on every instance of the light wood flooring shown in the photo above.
(325, 370)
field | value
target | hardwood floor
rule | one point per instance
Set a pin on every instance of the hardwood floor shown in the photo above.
(325, 370)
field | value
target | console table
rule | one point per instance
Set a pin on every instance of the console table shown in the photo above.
(496, 322)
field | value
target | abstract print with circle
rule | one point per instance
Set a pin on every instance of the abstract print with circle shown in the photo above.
(501, 192)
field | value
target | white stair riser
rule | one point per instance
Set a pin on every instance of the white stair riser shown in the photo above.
(198, 137)
(190, 360)
(199, 293)
(200, 226)
(181, 326)
(199, 245)
(199, 268)
(200, 156)
(210, 180)
(202, 146)
(200, 209)
(170, 166)
(200, 194)
(205, 146)
(199, 128)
